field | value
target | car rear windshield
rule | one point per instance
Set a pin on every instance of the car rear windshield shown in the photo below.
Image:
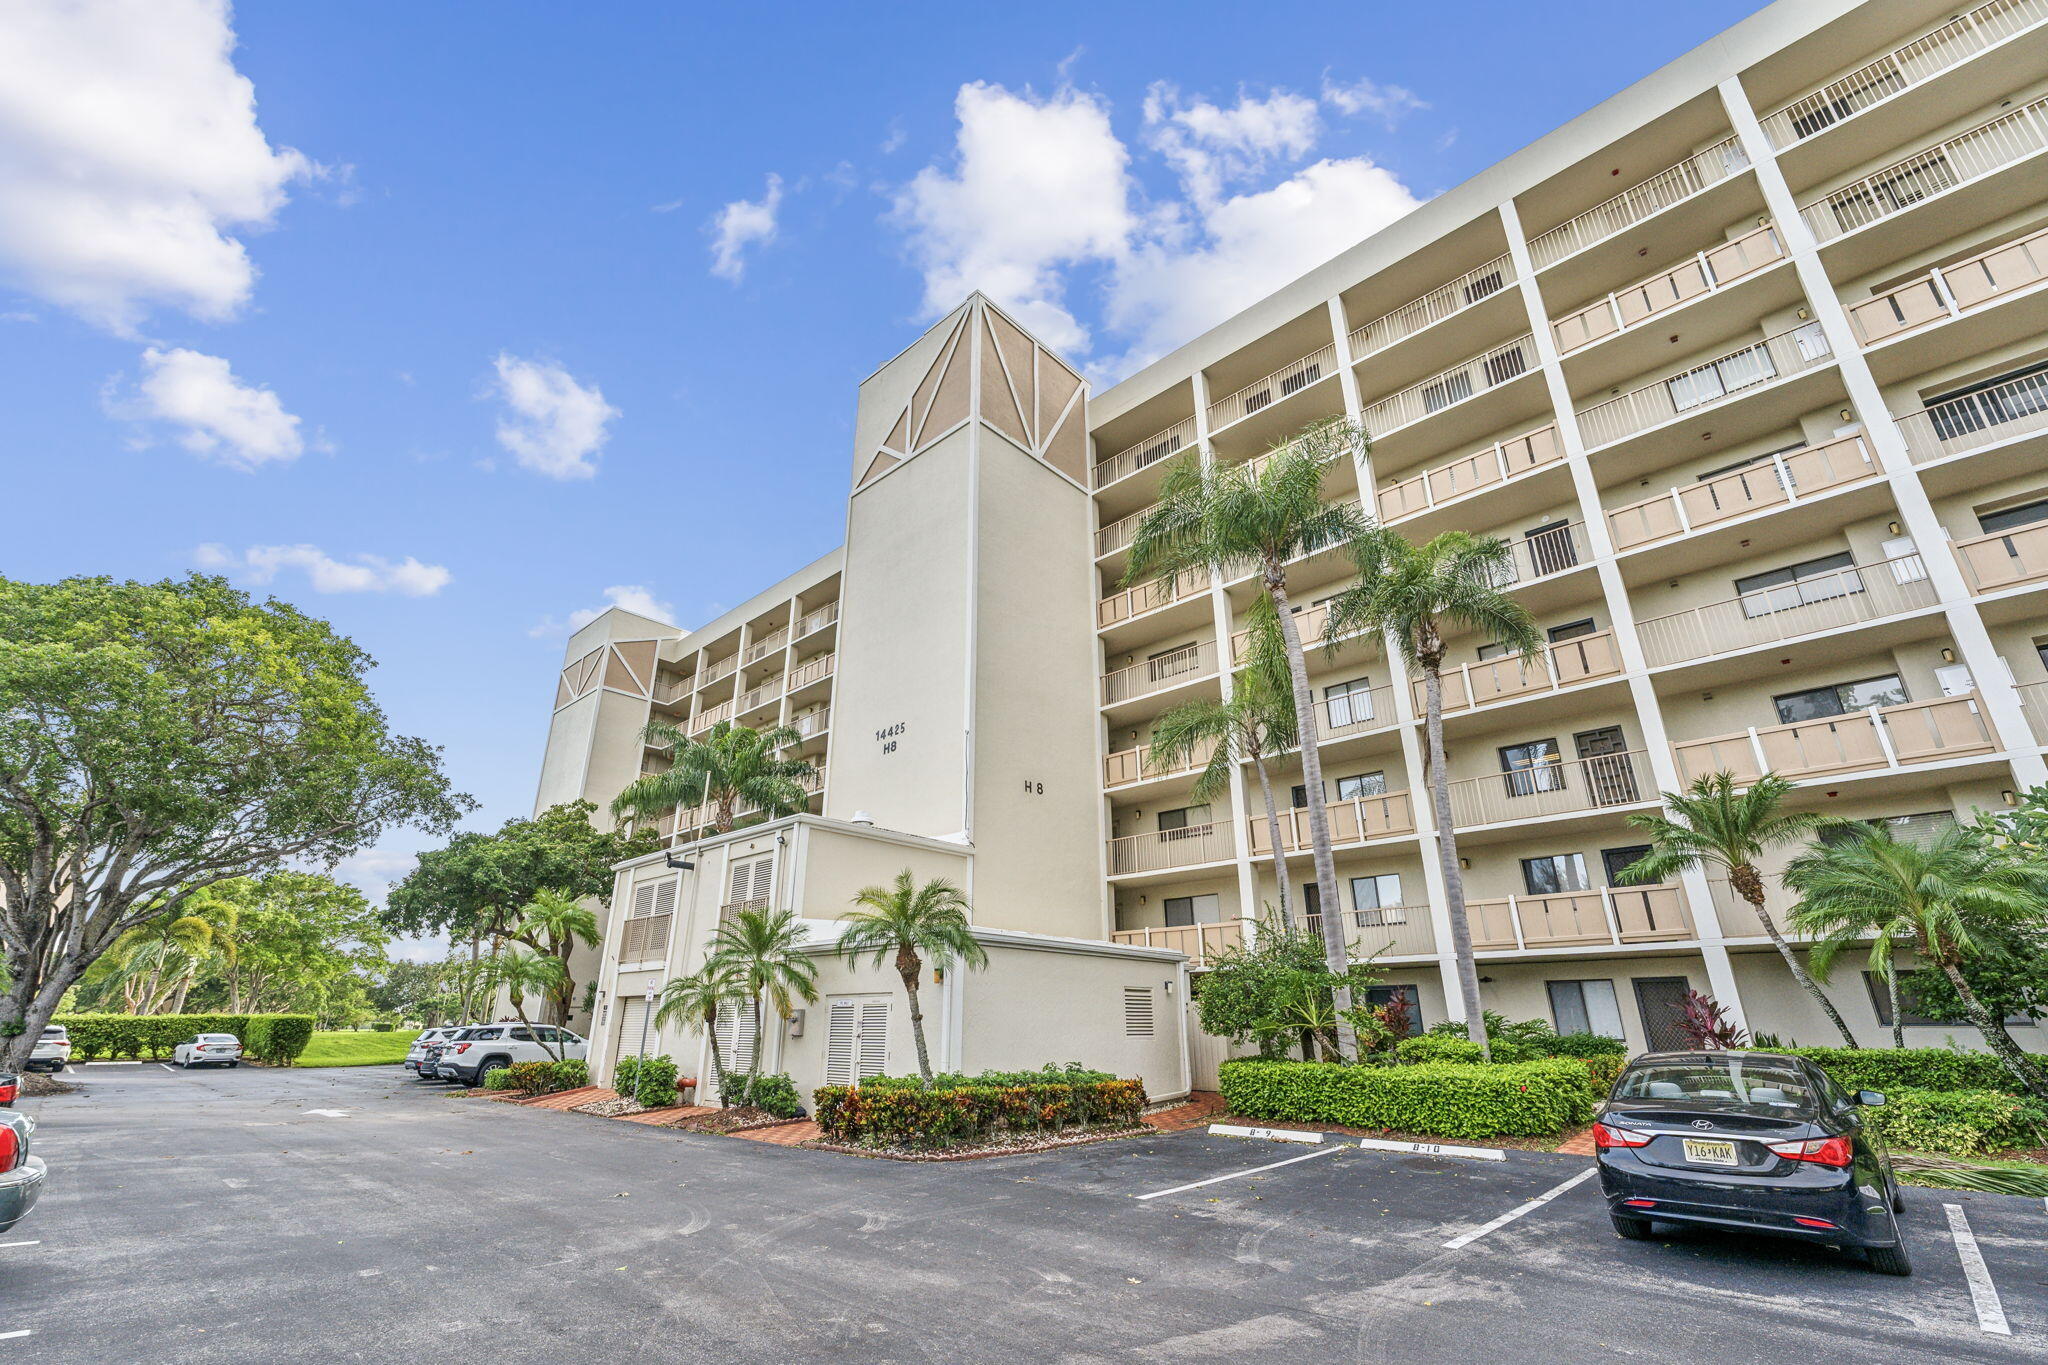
(216, 1037)
(54, 1032)
(1734, 1080)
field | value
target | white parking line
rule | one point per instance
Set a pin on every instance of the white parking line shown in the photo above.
(24, 1332)
(35, 1243)
(1466, 1239)
(1219, 1179)
(167, 1066)
(1983, 1293)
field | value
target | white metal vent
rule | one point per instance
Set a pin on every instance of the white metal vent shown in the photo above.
(857, 1039)
(1137, 1011)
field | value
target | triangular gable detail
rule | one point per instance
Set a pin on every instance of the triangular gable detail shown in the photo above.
(880, 465)
(927, 388)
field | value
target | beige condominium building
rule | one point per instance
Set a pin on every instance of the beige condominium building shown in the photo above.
(1749, 366)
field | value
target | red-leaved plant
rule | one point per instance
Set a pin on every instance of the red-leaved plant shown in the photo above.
(1706, 1025)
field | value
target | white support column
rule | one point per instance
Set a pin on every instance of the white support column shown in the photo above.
(2000, 701)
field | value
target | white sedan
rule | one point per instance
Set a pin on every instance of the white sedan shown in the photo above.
(208, 1049)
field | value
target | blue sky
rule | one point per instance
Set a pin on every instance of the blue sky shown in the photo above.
(455, 317)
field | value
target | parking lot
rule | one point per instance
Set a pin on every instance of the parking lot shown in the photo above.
(256, 1215)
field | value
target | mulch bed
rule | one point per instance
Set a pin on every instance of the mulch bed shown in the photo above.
(728, 1121)
(37, 1084)
(1018, 1146)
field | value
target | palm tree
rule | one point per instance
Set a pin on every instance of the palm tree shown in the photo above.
(1237, 518)
(1257, 723)
(913, 924)
(730, 766)
(554, 923)
(1952, 896)
(1712, 824)
(1414, 593)
(519, 970)
(696, 999)
(760, 949)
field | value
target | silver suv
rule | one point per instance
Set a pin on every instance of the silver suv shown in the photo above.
(479, 1051)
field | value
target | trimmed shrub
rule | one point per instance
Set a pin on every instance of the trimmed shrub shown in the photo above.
(571, 1073)
(383, 1026)
(535, 1078)
(654, 1082)
(498, 1080)
(625, 1076)
(1441, 1099)
(1958, 1122)
(278, 1038)
(1909, 1068)
(1439, 1047)
(898, 1111)
(1584, 1045)
(777, 1094)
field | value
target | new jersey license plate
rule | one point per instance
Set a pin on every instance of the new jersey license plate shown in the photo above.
(1706, 1153)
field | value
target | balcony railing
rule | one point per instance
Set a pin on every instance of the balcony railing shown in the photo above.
(718, 669)
(644, 938)
(1566, 663)
(1777, 481)
(1136, 765)
(767, 692)
(770, 643)
(710, 716)
(1309, 624)
(814, 723)
(1355, 713)
(1160, 592)
(2034, 703)
(1499, 463)
(1560, 788)
(1385, 931)
(1284, 382)
(1951, 290)
(812, 670)
(1703, 274)
(1977, 420)
(2004, 558)
(1673, 185)
(1961, 159)
(1829, 601)
(1482, 282)
(1453, 386)
(1902, 68)
(1169, 669)
(817, 620)
(1882, 737)
(1201, 942)
(1353, 820)
(668, 691)
(1705, 386)
(1610, 915)
(1170, 848)
(1120, 533)
(1151, 450)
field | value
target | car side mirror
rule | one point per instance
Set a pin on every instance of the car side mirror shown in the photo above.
(1869, 1098)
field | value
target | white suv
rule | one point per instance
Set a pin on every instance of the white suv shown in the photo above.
(52, 1050)
(208, 1049)
(492, 1047)
(421, 1045)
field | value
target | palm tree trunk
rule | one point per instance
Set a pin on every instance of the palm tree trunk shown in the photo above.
(1273, 835)
(909, 967)
(1330, 909)
(1748, 883)
(1995, 1036)
(1891, 989)
(754, 1062)
(1447, 859)
(519, 1008)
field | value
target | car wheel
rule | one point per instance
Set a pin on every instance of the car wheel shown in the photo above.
(488, 1067)
(1630, 1229)
(1898, 1198)
(1889, 1260)
(233, 1065)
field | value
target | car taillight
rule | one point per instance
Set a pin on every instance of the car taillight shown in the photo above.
(8, 1092)
(10, 1148)
(462, 1047)
(1832, 1151)
(1604, 1136)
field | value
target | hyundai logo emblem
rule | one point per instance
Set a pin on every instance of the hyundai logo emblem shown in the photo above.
(1703, 1123)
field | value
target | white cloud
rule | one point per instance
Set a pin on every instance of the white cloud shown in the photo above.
(741, 224)
(556, 426)
(129, 155)
(1037, 185)
(1210, 146)
(1389, 103)
(261, 564)
(633, 597)
(216, 415)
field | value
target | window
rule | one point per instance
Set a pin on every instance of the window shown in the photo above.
(1137, 1011)
(1551, 548)
(1301, 379)
(1505, 365)
(1993, 402)
(1182, 910)
(1478, 288)
(1798, 585)
(1348, 703)
(1537, 766)
(520, 1035)
(1403, 994)
(1556, 873)
(751, 883)
(2005, 519)
(1839, 699)
(1377, 899)
(1311, 898)
(1182, 819)
(653, 898)
(1613, 860)
(1363, 784)
(1585, 1007)
(1452, 388)
(1922, 828)
(1880, 1001)
(1571, 630)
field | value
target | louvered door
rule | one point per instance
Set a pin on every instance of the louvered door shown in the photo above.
(750, 883)
(856, 1038)
(735, 1034)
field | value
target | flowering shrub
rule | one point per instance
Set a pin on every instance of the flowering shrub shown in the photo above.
(901, 1112)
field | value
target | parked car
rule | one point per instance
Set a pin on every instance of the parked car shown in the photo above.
(10, 1089)
(493, 1047)
(417, 1053)
(21, 1175)
(52, 1050)
(208, 1049)
(1748, 1142)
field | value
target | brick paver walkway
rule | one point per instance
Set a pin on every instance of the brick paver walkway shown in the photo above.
(1582, 1145)
(783, 1134)
(569, 1099)
(669, 1114)
(1202, 1107)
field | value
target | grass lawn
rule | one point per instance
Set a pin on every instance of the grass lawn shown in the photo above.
(350, 1048)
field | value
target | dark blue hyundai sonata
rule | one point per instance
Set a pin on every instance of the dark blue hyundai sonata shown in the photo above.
(1749, 1142)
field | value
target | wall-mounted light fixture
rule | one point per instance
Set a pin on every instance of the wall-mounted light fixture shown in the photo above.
(1847, 416)
(1465, 863)
(1892, 527)
(1948, 656)
(2008, 798)
(1802, 314)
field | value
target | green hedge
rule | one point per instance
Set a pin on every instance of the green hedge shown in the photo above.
(777, 1094)
(541, 1078)
(499, 1080)
(1909, 1068)
(898, 1111)
(1959, 1122)
(277, 1038)
(1441, 1099)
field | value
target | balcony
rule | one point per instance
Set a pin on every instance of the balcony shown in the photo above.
(1882, 737)
(644, 938)
(1282, 383)
(1562, 788)
(670, 690)
(1502, 462)
(1706, 273)
(1609, 916)
(1482, 282)
(1126, 766)
(760, 649)
(767, 694)
(1309, 624)
(811, 622)
(1776, 482)
(718, 670)
(1455, 385)
(1902, 69)
(1930, 173)
(2034, 704)
(1977, 421)
(1175, 668)
(1166, 849)
(1120, 533)
(1384, 931)
(1201, 942)
(2004, 559)
(1709, 385)
(1952, 290)
(1132, 603)
(1830, 601)
(1353, 820)
(1666, 189)
(1567, 663)
(812, 725)
(1151, 450)
(812, 670)
(710, 716)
